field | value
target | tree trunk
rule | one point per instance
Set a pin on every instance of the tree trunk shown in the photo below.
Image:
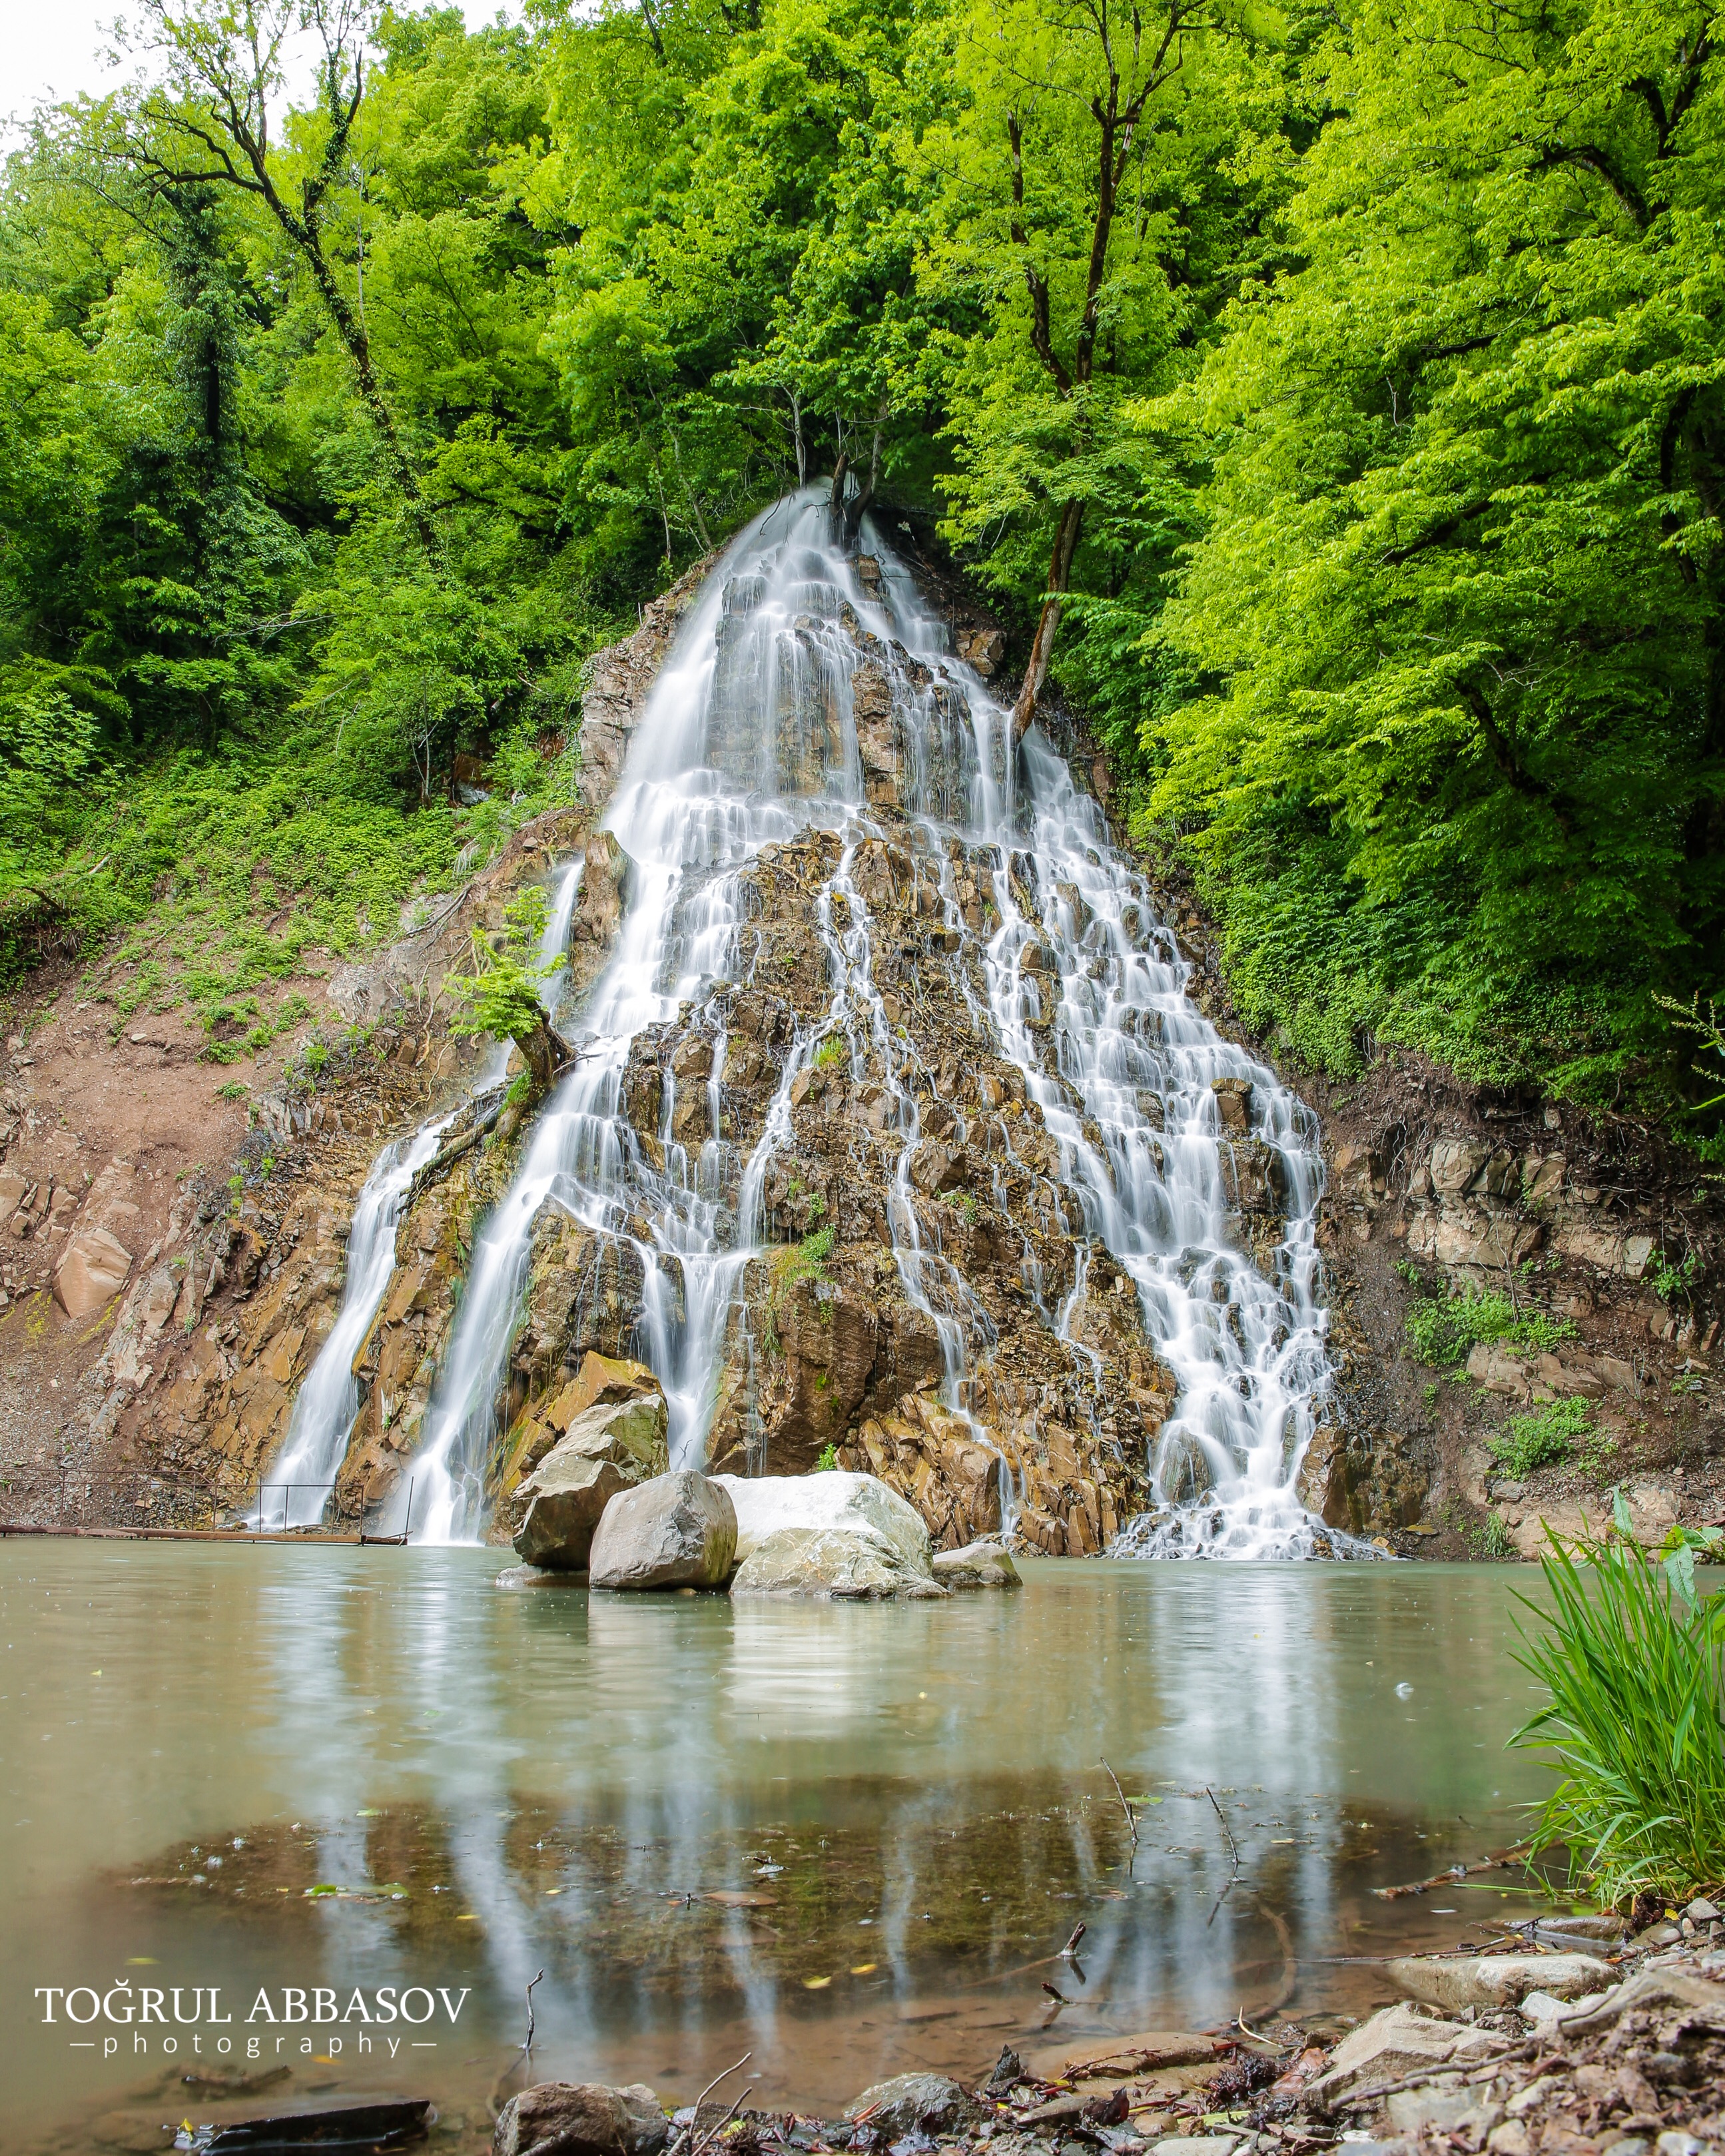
(1060, 576)
(545, 1054)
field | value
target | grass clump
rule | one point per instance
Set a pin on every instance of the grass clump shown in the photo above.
(1492, 1542)
(831, 1054)
(1632, 1657)
(1443, 1328)
(1528, 1441)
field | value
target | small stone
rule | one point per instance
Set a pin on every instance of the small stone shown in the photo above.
(576, 2118)
(1680, 2144)
(977, 1564)
(1700, 1911)
(910, 2103)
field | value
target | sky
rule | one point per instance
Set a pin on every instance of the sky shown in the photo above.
(53, 48)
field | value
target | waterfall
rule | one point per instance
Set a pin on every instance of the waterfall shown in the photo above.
(762, 725)
(296, 1489)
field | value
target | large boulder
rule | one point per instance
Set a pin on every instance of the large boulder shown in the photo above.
(849, 1504)
(828, 1564)
(602, 1381)
(675, 1531)
(977, 1564)
(565, 1502)
(581, 2118)
(607, 1449)
(89, 1271)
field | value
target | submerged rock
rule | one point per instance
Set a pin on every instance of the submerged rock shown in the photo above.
(977, 1564)
(514, 1578)
(1498, 1979)
(676, 1531)
(830, 1564)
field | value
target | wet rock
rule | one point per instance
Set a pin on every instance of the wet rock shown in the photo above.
(832, 1502)
(676, 1531)
(1498, 1979)
(828, 1564)
(648, 2128)
(91, 1271)
(983, 648)
(518, 1579)
(910, 2103)
(977, 1564)
(564, 2118)
(1234, 1102)
(1371, 1482)
(935, 1169)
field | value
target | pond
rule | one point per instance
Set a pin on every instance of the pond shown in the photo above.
(851, 1840)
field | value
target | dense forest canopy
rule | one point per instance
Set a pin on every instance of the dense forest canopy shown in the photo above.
(1331, 395)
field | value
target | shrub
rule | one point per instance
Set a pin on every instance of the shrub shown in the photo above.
(1636, 1717)
(1531, 1440)
(1443, 1328)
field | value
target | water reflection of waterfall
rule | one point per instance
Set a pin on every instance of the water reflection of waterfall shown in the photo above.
(753, 733)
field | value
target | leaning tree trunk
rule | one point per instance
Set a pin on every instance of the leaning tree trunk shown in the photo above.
(544, 1053)
(1060, 576)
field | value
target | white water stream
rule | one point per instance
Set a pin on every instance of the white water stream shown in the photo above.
(296, 1492)
(1123, 1074)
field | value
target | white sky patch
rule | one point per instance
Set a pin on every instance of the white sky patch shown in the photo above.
(51, 49)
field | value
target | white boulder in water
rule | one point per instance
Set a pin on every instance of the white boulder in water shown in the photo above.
(826, 1564)
(833, 1501)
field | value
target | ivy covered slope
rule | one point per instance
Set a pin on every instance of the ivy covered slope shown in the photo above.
(1330, 398)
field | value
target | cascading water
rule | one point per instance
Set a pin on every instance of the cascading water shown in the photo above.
(296, 1491)
(1071, 978)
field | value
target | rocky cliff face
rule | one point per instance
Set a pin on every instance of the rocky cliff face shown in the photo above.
(898, 1138)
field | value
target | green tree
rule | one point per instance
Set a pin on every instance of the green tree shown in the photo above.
(1457, 605)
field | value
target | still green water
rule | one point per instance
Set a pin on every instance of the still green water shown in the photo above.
(848, 1838)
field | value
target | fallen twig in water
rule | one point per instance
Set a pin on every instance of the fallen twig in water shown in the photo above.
(1068, 1951)
(1132, 1824)
(1226, 1829)
(1290, 1967)
(528, 2047)
(1448, 1878)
